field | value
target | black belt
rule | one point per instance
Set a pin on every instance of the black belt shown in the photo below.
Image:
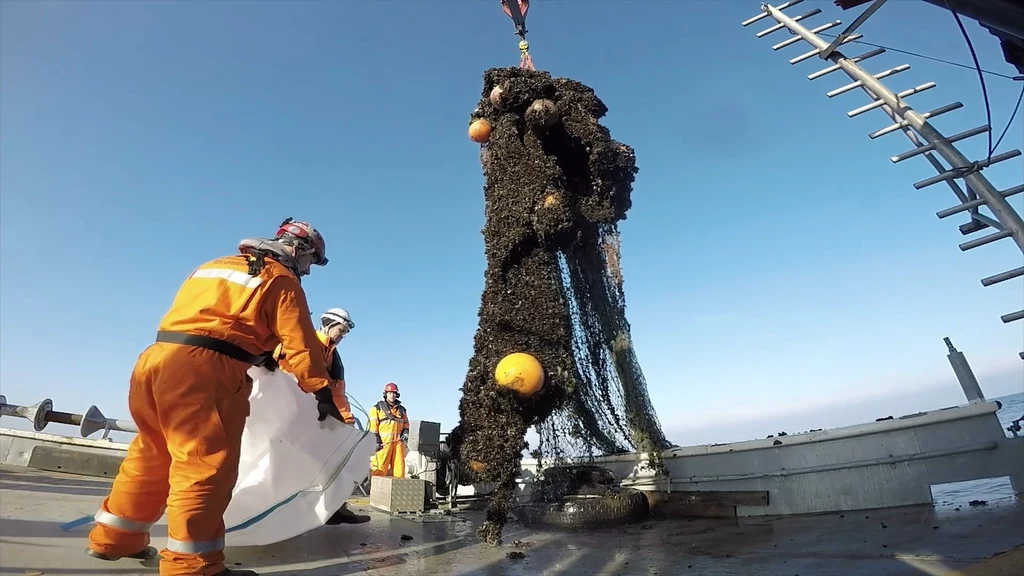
(220, 346)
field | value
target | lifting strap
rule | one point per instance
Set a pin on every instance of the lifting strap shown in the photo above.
(516, 10)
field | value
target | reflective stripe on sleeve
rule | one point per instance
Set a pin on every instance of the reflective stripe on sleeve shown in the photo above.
(233, 276)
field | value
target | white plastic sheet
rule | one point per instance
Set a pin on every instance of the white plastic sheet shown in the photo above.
(295, 472)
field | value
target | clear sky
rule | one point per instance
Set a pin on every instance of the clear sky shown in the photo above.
(775, 260)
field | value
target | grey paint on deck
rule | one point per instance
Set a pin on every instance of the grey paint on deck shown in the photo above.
(874, 465)
(895, 542)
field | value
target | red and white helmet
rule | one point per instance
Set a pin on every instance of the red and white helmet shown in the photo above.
(392, 387)
(307, 236)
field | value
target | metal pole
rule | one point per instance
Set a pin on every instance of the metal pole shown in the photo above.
(43, 413)
(964, 374)
(850, 29)
(1002, 210)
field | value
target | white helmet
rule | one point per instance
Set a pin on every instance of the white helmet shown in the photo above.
(336, 316)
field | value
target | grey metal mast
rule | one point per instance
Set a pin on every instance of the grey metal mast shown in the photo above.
(927, 140)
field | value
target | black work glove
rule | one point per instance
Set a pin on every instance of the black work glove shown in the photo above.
(405, 437)
(380, 443)
(325, 405)
(269, 362)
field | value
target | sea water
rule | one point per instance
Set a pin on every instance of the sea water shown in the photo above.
(993, 491)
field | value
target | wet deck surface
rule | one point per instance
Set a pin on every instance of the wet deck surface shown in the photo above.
(946, 541)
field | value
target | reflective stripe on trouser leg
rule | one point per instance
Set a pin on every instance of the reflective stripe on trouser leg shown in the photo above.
(139, 492)
(123, 524)
(206, 547)
(204, 401)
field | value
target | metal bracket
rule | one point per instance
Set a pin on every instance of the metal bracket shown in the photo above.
(928, 142)
(850, 29)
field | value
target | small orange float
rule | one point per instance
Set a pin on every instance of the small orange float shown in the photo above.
(480, 130)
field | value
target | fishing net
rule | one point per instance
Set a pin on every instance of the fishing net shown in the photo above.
(556, 186)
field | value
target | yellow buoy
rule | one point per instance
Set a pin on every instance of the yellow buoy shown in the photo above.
(520, 372)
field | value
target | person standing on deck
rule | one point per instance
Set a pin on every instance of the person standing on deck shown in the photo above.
(189, 396)
(335, 324)
(390, 422)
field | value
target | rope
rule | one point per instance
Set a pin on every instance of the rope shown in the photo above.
(516, 10)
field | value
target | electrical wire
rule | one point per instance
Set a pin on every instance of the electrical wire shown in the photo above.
(357, 404)
(977, 67)
(981, 77)
(1009, 122)
(922, 56)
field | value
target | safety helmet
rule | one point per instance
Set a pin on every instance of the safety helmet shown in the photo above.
(336, 316)
(306, 236)
(392, 387)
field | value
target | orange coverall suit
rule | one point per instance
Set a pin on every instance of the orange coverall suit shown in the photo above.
(190, 403)
(335, 370)
(389, 422)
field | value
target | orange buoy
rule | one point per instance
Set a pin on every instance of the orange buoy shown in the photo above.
(480, 130)
(520, 372)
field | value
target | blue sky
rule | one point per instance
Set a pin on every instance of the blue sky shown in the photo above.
(775, 260)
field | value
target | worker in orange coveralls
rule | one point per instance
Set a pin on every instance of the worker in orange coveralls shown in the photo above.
(334, 325)
(189, 397)
(390, 422)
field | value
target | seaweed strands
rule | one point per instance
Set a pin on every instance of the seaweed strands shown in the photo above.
(556, 185)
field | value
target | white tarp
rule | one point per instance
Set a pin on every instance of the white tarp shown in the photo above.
(295, 472)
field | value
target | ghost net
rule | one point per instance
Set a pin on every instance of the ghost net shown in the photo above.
(556, 186)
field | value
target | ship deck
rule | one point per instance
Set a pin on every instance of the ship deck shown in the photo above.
(955, 540)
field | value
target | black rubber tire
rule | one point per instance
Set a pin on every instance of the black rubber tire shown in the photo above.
(584, 475)
(557, 482)
(585, 512)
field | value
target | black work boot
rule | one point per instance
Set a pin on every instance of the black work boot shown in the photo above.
(147, 553)
(230, 572)
(346, 516)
